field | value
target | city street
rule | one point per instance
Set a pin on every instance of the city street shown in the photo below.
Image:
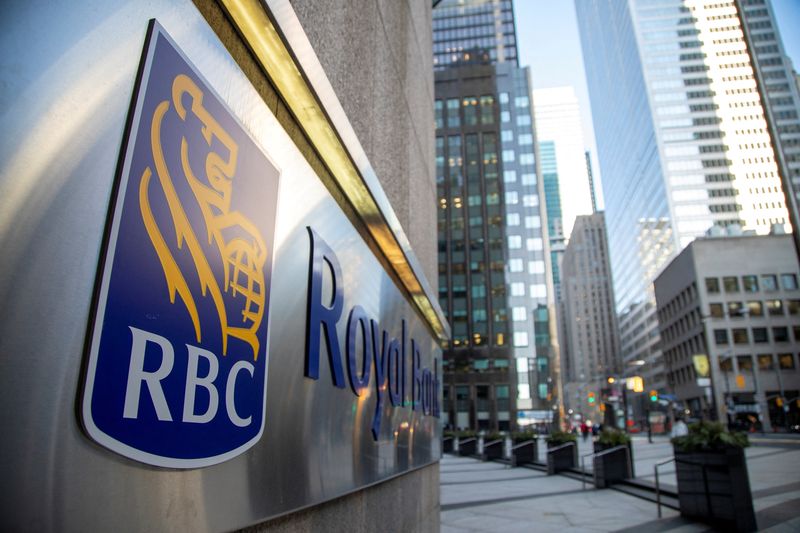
(478, 496)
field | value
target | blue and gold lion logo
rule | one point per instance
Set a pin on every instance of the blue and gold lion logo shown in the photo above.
(237, 240)
(177, 363)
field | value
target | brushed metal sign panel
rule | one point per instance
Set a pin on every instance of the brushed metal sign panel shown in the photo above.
(72, 69)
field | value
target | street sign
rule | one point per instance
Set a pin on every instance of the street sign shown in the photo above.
(701, 365)
(703, 382)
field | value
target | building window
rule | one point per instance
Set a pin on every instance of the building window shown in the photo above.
(716, 310)
(533, 222)
(760, 335)
(530, 200)
(750, 283)
(712, 285)
(538, 291)
(505, 116)
(745, 363)
(731, 283)
(793, 306)
(512, 197)
(523, 391)
(512, 219)
(740, 336)
(518, 314)
(528, 179)
(508, 156)
(774, 308)
(521, 101)
(515, 242)
(735, 309)
(534, 244)
(542, 391)
(470, 104)
(755, 308)
(516, 265)
(769, 282)
(523, 120)
(535, 267)
(780, 334)
(453, 118)
(506, 136)
(487, 109)
(480, 364)
(720, 336)
(526, 159)
(765, 362)
(510, 176)
(789, 282)
(520, 338)
(786, 361)
(518, 289)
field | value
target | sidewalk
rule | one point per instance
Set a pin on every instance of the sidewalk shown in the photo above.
(477, 496)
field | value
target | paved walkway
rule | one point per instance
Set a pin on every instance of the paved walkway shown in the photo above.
(477, 496)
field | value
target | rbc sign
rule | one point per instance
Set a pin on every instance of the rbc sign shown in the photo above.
(177, 363)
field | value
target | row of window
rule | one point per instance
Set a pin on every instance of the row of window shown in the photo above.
(750, 283)
(765, 362)
(754, 308)
(724, 337)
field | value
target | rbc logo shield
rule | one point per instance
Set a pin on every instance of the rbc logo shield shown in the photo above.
(177, 364)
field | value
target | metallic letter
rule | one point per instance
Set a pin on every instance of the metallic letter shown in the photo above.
(230, 404)
(320, 314)
(193, 381)
(136, 375)
(358, 318)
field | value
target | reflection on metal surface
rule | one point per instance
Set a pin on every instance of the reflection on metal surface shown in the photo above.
(276, 59)
(65, 115)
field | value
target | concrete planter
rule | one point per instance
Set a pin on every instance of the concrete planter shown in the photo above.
(448, 444)
(492, 450)
(467, 446)
(714, 487)
(561, 457)
(611, 467)
(524, 451)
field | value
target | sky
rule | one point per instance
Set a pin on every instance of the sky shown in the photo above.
(549, 43)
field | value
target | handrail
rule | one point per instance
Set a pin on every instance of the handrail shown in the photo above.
(523, 443)
(583, 470)
(492, 443)
(658, 487)
(561, 447)
(600, 454)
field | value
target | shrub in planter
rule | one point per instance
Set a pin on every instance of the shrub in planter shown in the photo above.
(614, 466)
(522, 436)
(713, 484)
(494, 450)
(565, 457)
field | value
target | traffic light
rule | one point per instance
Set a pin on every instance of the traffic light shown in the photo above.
(591, 399)
(653, 395)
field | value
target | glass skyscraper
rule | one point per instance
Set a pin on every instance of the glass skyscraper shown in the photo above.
(497, 369)
(682, 137)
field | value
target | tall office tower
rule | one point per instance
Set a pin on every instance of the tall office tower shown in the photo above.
(491, 240)
(477, 31)
(590, 349)
(682, 138)
(558, 121)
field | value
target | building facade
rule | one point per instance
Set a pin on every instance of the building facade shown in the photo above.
(683, 138)
(590, 347)
(735, 301)
(491, 236)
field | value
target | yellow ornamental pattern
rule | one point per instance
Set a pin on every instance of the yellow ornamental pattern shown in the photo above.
(240, 245)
